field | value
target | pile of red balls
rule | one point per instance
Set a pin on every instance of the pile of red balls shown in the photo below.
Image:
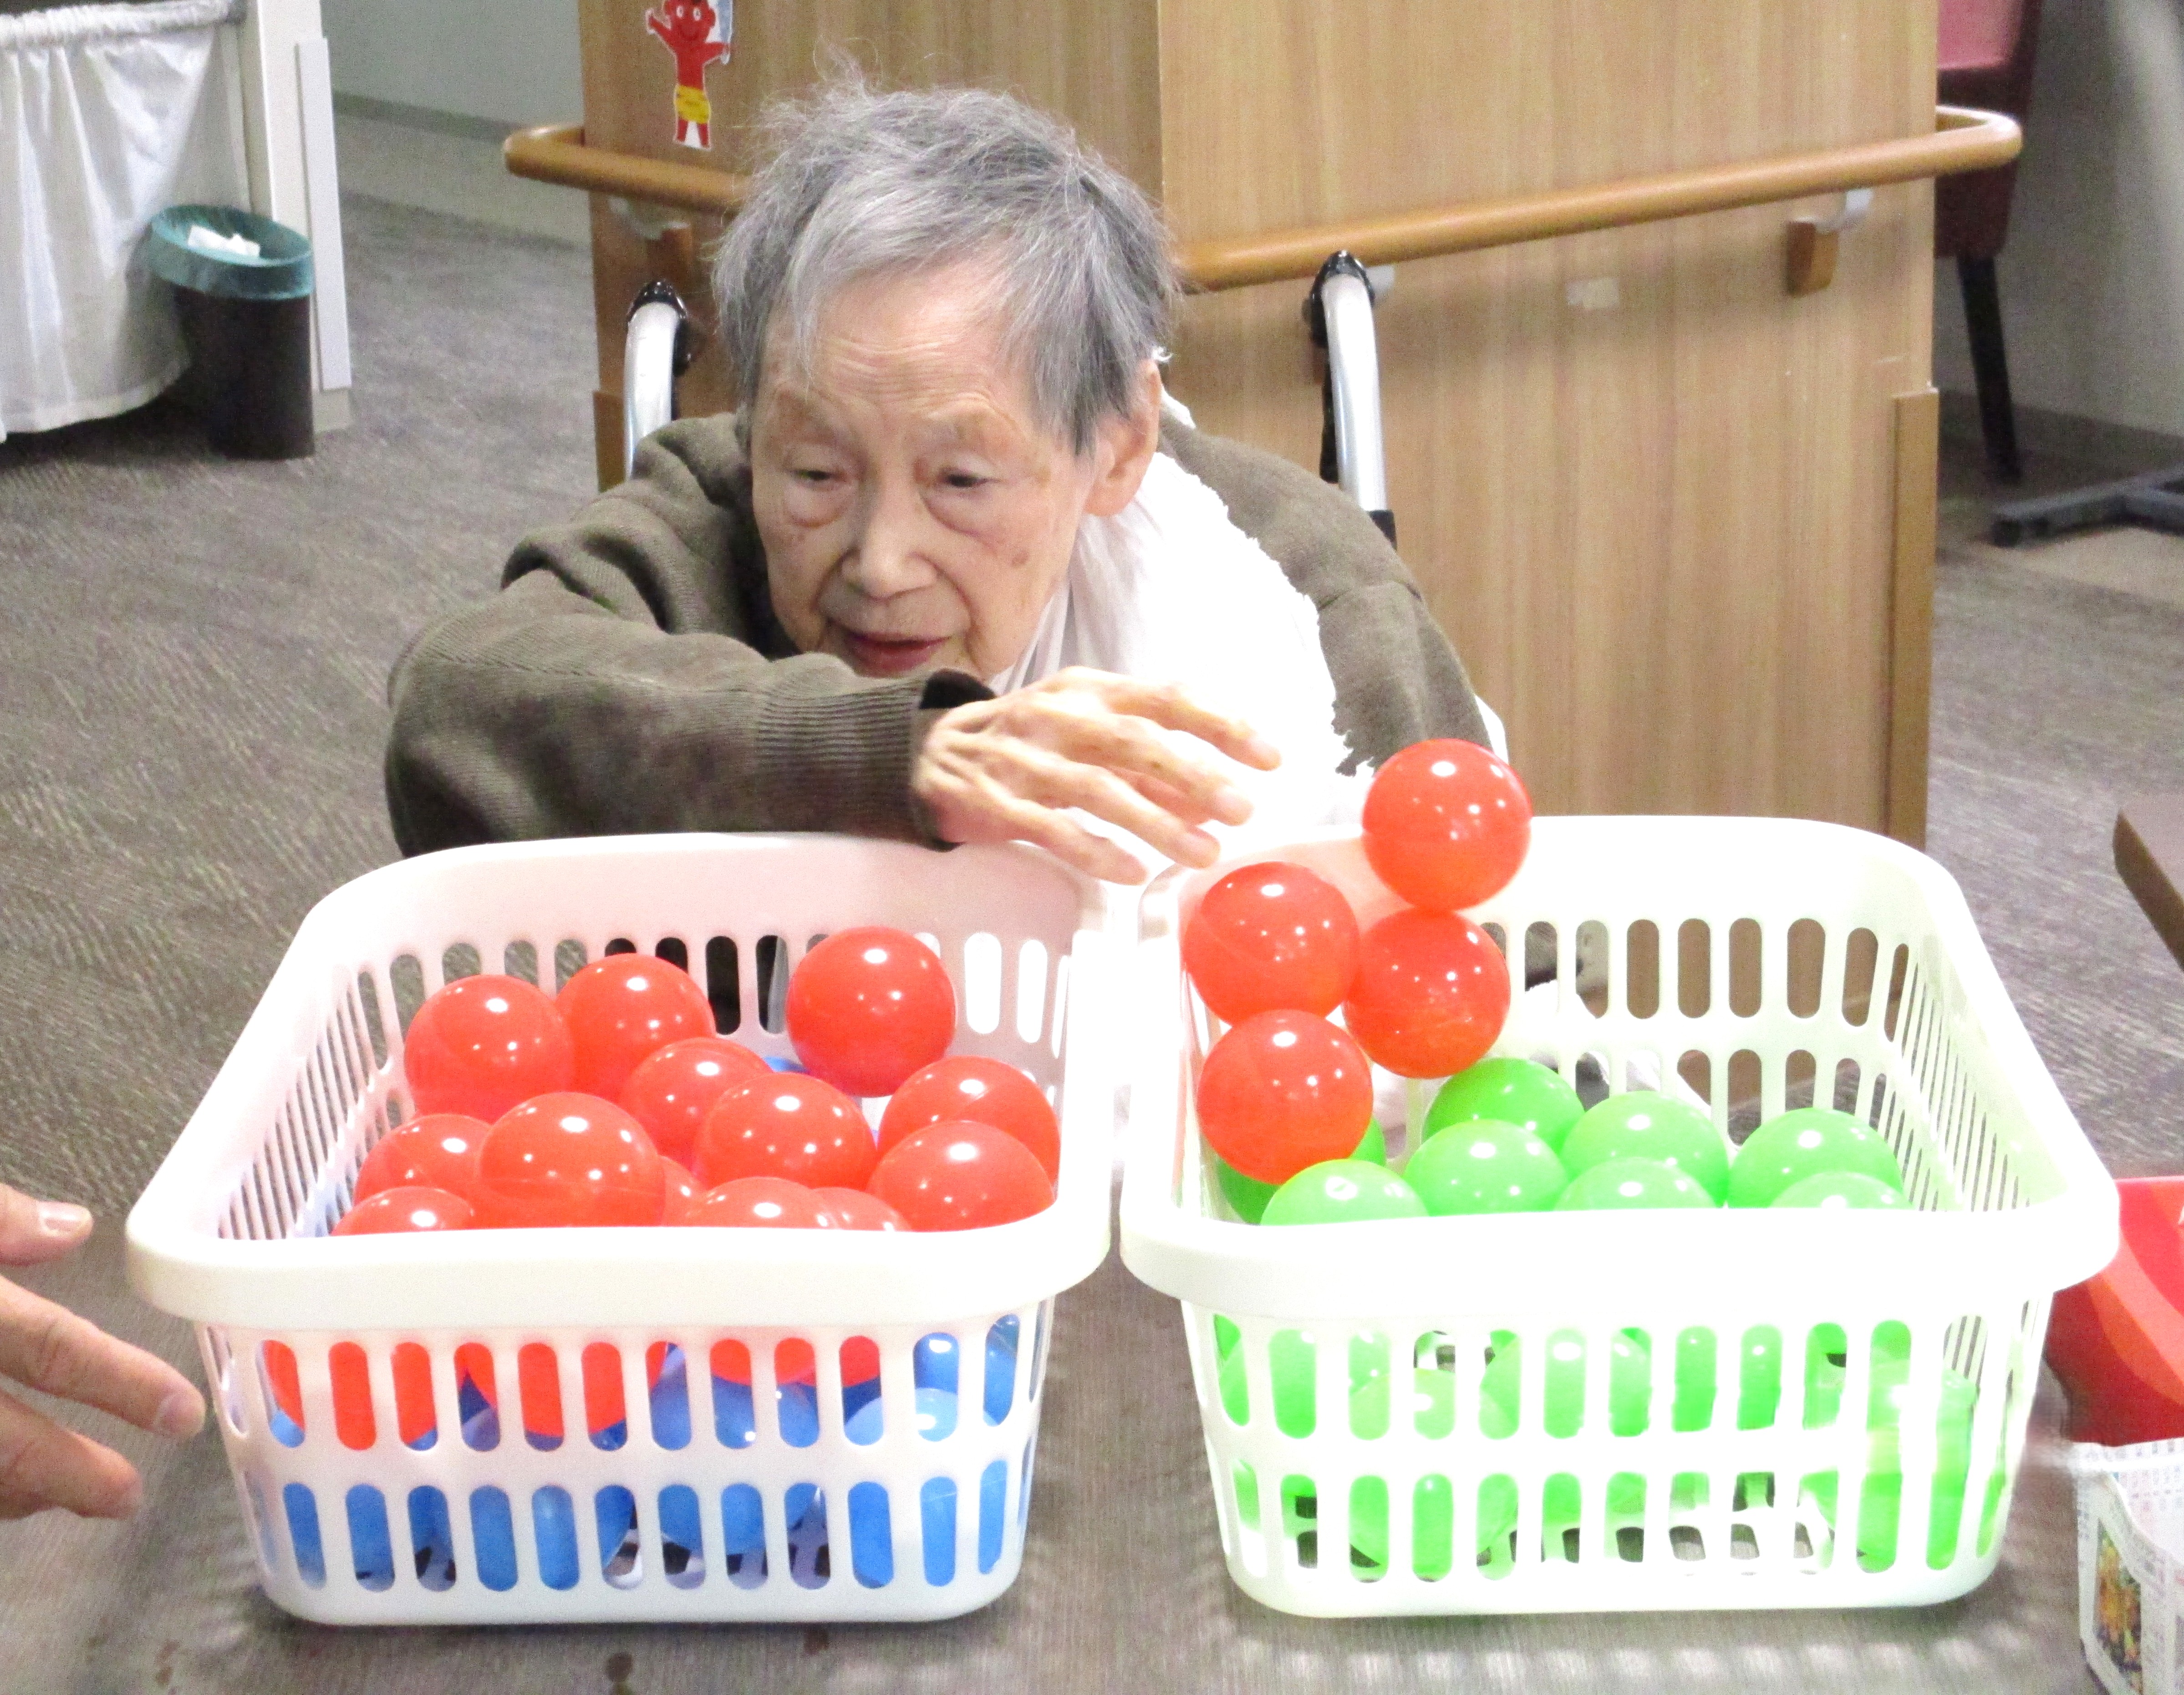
(615, 1103)
(1274, 948)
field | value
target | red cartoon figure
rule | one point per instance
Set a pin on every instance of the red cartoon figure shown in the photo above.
(697, 36)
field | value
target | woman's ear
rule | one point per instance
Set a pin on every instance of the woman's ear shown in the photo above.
(1124, 447)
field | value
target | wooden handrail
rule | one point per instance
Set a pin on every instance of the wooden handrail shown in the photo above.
(558, 153)
(1962, 140)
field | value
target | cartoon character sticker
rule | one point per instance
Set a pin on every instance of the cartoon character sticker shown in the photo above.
(697, 36)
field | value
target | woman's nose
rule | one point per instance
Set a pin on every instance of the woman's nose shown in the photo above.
(889, 559)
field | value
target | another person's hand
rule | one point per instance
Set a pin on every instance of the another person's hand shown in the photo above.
(1010, 769)
(45, 1464)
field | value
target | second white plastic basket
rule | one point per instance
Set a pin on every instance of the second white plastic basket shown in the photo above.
(1610, 1411)
(558, 1425)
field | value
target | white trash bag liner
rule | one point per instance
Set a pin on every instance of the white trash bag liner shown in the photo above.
(107, 115)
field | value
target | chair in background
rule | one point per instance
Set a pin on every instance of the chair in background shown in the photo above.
(1984, 61)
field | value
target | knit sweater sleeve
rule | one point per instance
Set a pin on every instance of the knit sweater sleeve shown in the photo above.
(631, 676)
(1396, 678)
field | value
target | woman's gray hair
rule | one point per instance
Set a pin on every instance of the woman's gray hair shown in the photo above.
(865, 184)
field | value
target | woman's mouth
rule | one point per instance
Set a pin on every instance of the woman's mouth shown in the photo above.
(886, 656)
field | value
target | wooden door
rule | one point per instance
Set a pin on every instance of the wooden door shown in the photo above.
(1651, 496)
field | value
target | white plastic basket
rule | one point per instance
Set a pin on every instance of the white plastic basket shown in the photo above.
(763, 1503)
(1765, 963)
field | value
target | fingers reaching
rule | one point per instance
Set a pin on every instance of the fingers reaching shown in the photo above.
(32, 1232)
(1169, 706)
(47, 1347)
(1014, 768)
(43, 1464)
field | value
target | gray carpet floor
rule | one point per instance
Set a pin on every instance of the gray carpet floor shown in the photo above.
(192, 674)
(191, 709)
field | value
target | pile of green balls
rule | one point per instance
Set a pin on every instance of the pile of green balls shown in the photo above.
(1509, 1135)
(1755, 1373)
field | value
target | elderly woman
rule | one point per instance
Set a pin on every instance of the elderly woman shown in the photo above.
(955, 571)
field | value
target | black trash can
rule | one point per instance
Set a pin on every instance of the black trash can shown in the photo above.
(247, 322)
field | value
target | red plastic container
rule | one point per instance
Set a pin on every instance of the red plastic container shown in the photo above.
(2117, 1340)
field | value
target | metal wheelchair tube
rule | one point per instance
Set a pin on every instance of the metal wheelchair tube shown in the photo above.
(1353, 451)
(1343, 312)
(655, 351)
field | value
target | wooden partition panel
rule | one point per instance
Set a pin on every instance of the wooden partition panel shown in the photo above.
(1649, 494)
(1656, 501)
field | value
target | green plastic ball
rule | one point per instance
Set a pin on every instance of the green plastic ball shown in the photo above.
(1631, 1183)
(1294, 1408)
(1800, 1144)
(1247, 1196)
(1562, 1411)
(1483, 1166)
(1837, 1190)
(1880, 1499)
(1646, 1125)
(1343, 1191)
(1509, 1091)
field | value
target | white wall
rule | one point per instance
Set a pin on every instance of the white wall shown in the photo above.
(2092, 279)
(509, 61)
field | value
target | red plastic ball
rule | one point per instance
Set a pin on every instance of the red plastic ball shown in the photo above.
(868, 1008)
(569, 1159)
(855, 1210)
(772, 1203)
(1283, 1090)
(960, 1176)
(683, 1193)
(985, 1091)
(1446, 824)
(439, 1150)
(1270, 938)
(673, 1088)
(786, 1125)
(1431, 994)
(482, 1044)
(411, 1209)
(624, 1008)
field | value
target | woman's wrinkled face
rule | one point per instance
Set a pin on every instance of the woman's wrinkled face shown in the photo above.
(915, 511)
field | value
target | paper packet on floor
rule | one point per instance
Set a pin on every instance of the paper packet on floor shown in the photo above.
(2130, 1564)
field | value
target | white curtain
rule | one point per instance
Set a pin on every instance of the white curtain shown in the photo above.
(107, 115)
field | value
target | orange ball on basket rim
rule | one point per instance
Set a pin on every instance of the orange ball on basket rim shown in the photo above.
(1446, 824)
(855, 1209)
(568, 1159)
(409, 1208)
(674, 1087)
(1431, 996)
(960, 1176)
(771, 1203)
(683, 1193)
(784, 1124)
(1282, 1091)
(623, 1009)
(985, 1091)
(1270, 938)
(868, 1007)
(439, 1150)
(482, 1045)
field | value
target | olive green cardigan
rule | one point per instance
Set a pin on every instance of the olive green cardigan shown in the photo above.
(630, 675)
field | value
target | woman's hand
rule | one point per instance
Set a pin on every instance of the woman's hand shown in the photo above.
(1010, 769)
(44, 1464)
